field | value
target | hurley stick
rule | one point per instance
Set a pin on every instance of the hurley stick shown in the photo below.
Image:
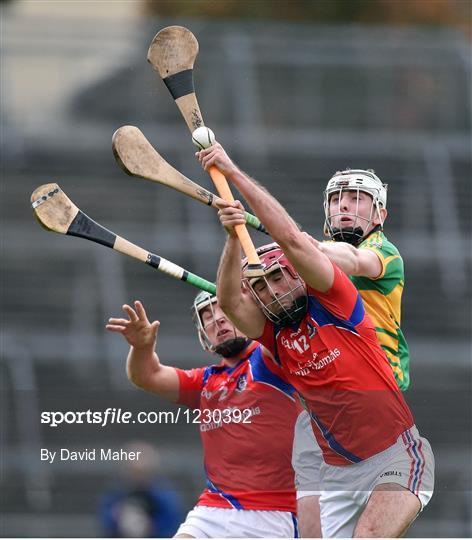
(137, 157)
(56, 212)
(172, 54)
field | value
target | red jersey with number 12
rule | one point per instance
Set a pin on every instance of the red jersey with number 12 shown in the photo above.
(333, 358)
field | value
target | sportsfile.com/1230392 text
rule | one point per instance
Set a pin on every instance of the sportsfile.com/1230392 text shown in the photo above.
(113, 415)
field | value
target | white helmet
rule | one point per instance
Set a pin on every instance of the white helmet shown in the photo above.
(354, 180)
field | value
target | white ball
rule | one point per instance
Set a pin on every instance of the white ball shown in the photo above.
(203, 137)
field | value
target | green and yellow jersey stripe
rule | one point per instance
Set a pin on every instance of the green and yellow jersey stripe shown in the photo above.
(382, 299)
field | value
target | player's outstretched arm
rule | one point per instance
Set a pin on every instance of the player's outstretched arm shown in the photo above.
(353, 261)
(236, 302)
(143, 366)
(258, 197)
(313, 266)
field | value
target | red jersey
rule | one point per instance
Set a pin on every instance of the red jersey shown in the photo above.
(333, 358)
(247, 460)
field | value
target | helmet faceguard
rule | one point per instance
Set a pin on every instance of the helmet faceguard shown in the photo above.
(228, 348)
(356, 180)
(289, 307)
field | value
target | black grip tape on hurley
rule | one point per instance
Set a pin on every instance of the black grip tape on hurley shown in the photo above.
(153, 260)
(180, 84)
(85, 227)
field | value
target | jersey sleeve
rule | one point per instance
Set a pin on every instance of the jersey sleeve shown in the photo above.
(342, 299)
(272, 364)
(190, 386)
(388, 255)
(269, 354)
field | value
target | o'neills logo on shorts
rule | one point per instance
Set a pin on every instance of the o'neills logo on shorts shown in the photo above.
(307, 367)
(391, 473)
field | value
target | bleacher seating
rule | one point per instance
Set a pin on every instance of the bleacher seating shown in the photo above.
(292, 103)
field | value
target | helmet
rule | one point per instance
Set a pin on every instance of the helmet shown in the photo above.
(270, 255)
(273, 258)
(354, 180)
(230, 347)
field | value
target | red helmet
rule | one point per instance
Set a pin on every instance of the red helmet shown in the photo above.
(273, 258)
(271, 255)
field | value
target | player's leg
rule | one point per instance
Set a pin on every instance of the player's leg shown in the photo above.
(306, 461)
(381, 496)
(308, 512)
(402, 487)
(390, 511)
(183, 535)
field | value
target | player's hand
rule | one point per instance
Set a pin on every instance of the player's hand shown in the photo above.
(217, 157)
(137, 330)
(231, 214)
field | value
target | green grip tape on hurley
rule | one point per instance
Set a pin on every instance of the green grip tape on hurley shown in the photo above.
(254, 222)
(201, 283)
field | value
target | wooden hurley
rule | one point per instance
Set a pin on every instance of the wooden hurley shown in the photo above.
(172, 54)
(137, 157)
(56, 212)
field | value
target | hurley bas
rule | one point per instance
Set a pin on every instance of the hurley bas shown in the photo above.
(103, 454)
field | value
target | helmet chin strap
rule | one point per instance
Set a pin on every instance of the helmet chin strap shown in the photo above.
(232, 347)
(350, 235)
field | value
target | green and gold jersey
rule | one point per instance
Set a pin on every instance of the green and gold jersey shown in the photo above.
(382, 299)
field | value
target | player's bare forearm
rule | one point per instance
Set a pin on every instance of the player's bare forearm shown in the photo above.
(272, 214)
(313, 266)
(141, 365)
(235, 301)
(146, 372)
(353, 261)
(342, 254)
(228, 281)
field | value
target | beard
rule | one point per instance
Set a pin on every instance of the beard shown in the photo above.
(232, 347)
(294, 313)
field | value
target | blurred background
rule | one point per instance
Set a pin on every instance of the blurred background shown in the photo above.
(294, 91)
